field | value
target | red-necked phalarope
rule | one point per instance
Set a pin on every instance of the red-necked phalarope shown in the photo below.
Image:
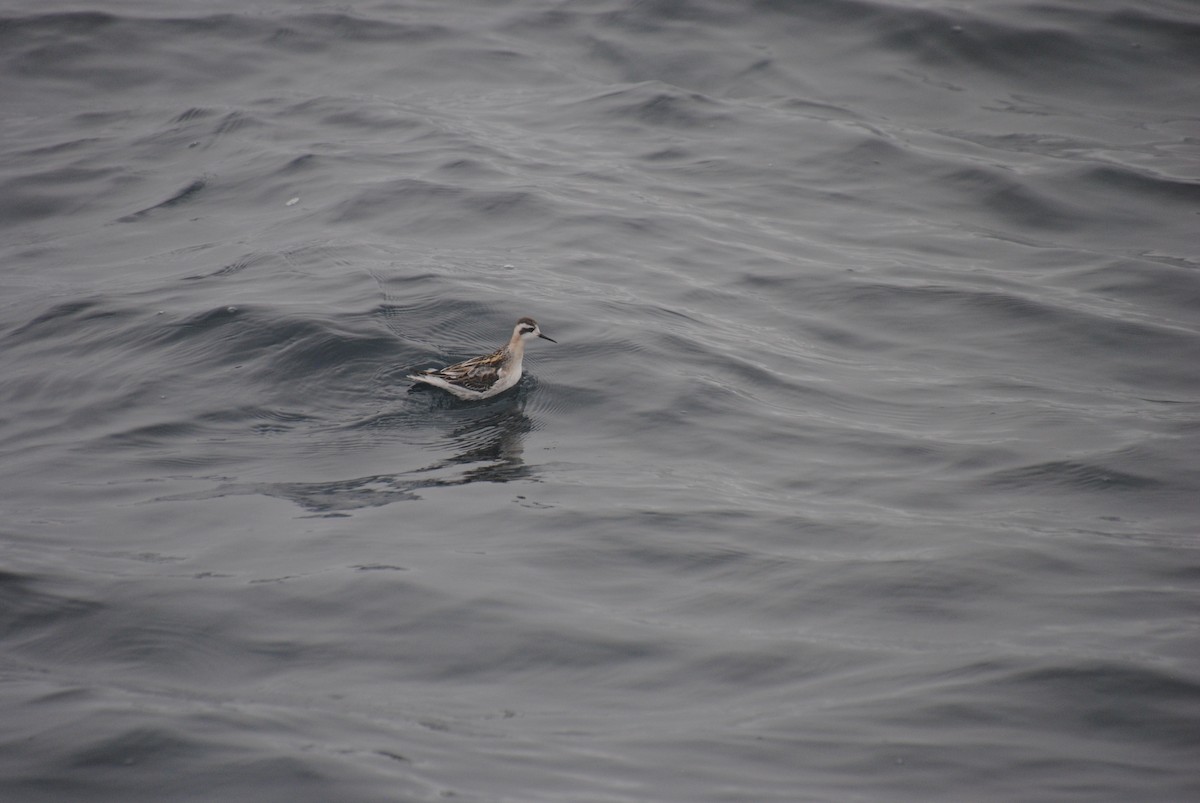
(484, 377)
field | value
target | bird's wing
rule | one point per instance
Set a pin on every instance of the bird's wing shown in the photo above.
(478, 373)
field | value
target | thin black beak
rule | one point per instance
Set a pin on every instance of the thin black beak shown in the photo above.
(552, 340)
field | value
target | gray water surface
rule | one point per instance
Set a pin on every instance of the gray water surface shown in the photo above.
(865, 468)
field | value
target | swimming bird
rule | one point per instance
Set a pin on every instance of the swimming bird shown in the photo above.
(486, 376)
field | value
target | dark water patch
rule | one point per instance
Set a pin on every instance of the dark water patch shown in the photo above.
(871, 594)
(585, 229)
(332, 497)
(300, 164)
(426, 208)
(82, 51)
(226, 335)
(84, 322)
(491, 429)
(869, 153)
(103, 119)
(366, 115)
(1073, 148)
(330, 353)
(152, 434)
(30, 609)
(72, 176)
(1173, 290)
(693, 553)
(480, 64)
(1092, 50)
(68, 146)
(762, 668)
(1056, 475)
(474, 169)
(254, 259)
(185, 195)
(1010, 50)
(273, 345)
(194, 113)
(34, 43)
(156, 380)
(1149, 187)
(53, 192)
(67, 22)
(924, 590)
(1014, 200)
(183, 645)
(485, 442)
(518, 646)
(136, 746)
(1119, 701)
(681, 17)
(172, 747)
(417, 310)
(309, 33)
(1003, 320)
(235, 122)
(691, 45)
(671, 154)
(211, 425)
(1172, 34)
(265, 420)
(655, 104)
(492, 435)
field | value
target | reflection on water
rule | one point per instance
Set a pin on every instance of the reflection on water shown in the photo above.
(488, 446)
(493, 444)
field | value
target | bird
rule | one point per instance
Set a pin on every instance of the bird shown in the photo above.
(489, 375)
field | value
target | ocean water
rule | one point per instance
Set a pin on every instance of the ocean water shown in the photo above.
(865, 467)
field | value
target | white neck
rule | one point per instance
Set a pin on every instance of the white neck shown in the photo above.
(516, 346)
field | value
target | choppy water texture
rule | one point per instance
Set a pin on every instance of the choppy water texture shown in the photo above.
(865, 468)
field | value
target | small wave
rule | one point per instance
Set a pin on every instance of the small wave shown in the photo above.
(657, 104)
(305, 32)
(184, 195)
(29, 608)
(1056, 475)
(1152, 187)
(55, 191)
(240, 264)
(431, 208)
(85, 325)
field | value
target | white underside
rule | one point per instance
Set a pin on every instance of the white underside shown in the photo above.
(503, 383)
